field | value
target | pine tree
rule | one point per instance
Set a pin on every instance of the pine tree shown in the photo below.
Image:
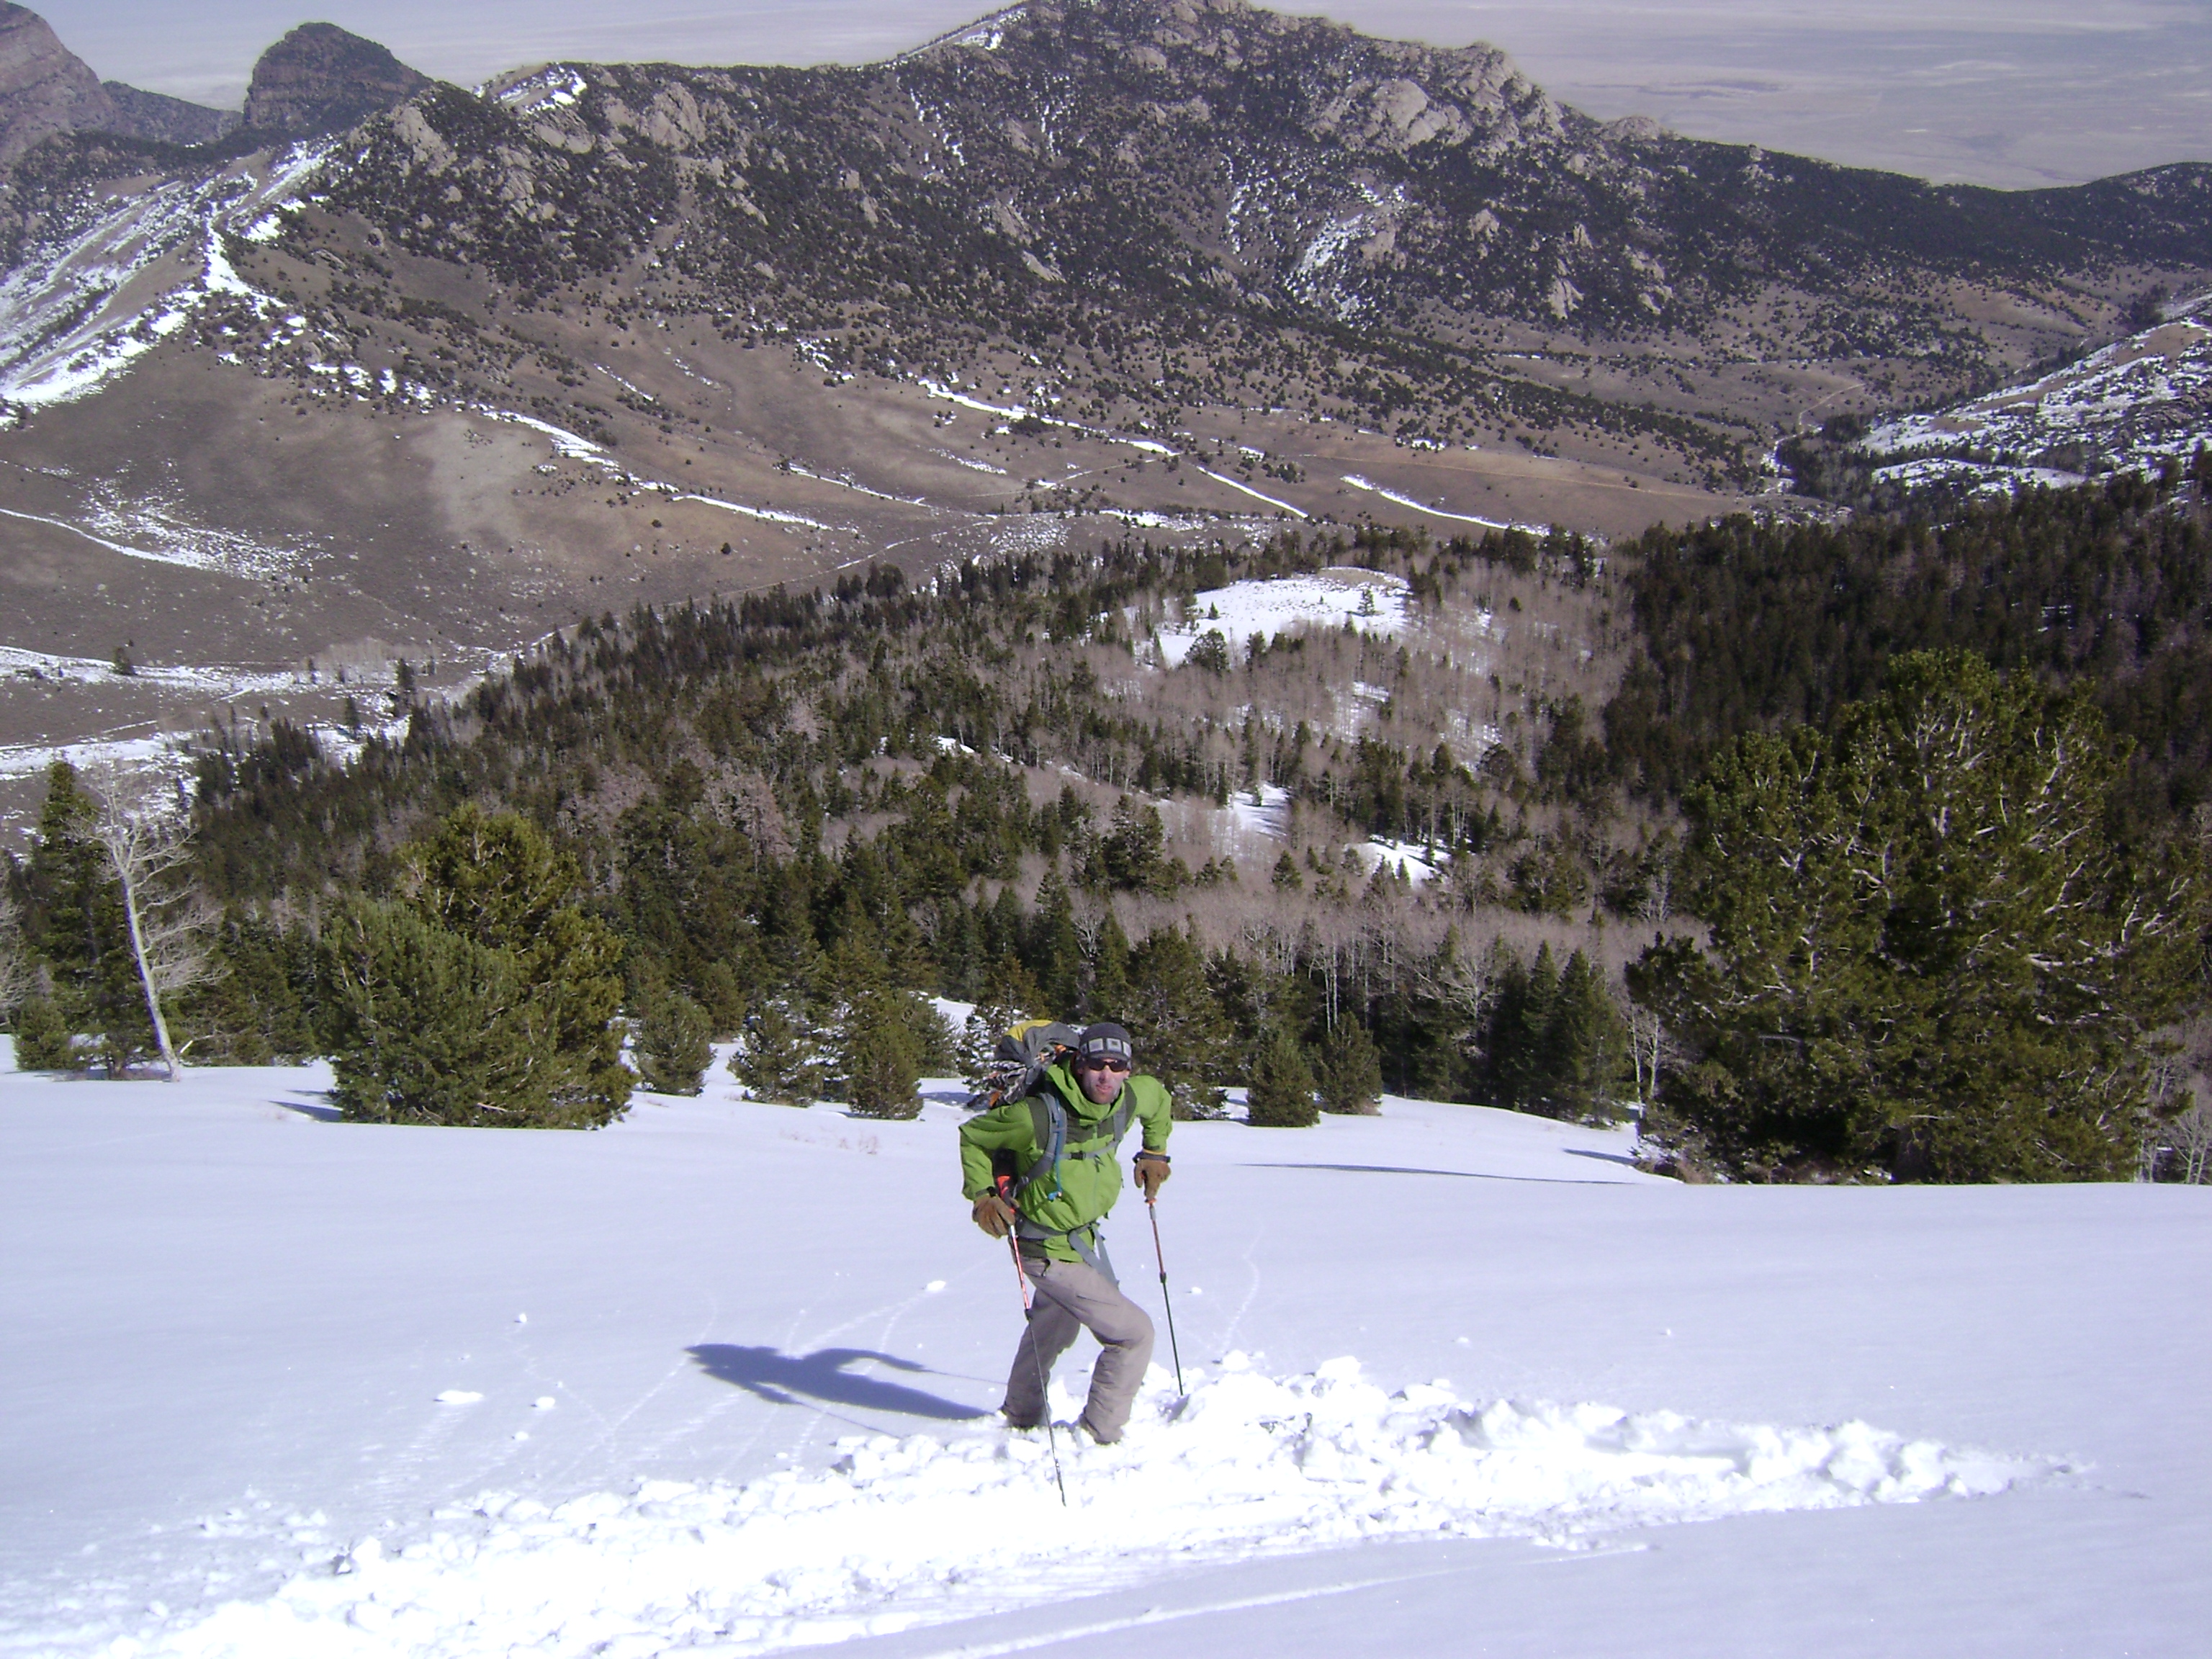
(1130, 853)
(74, 928)
(431, 1026)
(1518, 1059)
(42, 1037)
(779, 1058)
(1927, 953)
(979, 1042)
(259, 1007)
(1586, 1047)
(1106, 993)
(1350, 1073)
(1280, 1094)
(18, 974)
(1055, 951)
(1009, 996)
(485, 999)
(1181, 1037)
(877, 1063)
(674, 1044)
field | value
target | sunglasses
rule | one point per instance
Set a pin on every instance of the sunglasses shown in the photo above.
(1102, 1063)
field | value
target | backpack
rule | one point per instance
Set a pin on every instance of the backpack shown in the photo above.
(1019, 1067)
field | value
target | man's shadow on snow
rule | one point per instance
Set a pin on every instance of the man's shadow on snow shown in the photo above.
(822, 1375)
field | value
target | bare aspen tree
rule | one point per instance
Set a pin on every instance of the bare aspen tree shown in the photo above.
(1645, 1036)
(147, 846)
(2169, 1084)
(2179, 1121)
(2190, 1135)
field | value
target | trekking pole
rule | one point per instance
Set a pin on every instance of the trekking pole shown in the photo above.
(1044, 1388)
(1166, 1301)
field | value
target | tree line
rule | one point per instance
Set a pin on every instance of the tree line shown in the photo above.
(1879, 859)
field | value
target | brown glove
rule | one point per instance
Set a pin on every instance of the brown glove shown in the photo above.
(995, 1215)
(1151, 1170)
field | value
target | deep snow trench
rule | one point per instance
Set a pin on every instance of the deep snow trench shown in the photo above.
(900, 1533)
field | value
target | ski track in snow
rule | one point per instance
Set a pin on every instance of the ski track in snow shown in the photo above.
(898, 1534)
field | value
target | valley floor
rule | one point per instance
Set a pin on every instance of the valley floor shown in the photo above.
(718, 1379)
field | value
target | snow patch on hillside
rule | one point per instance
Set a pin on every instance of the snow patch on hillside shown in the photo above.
(1257, 496)
(85, 305)
(2139, 401)
(904, 1532)
(214, 680)
(1265, 812)
(1358, 481)
(159, 752)
(1417, 864)
(555, 85)
(172, 540)
(1372, 601)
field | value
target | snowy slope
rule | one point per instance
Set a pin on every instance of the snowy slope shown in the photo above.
(714, 1380)
(2137, 403)
(92, 297)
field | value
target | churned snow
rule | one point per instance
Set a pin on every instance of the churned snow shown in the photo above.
(719, 1380)
(1372, 601)
(926, 1528)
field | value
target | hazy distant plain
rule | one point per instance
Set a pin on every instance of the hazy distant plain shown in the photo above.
(2013, 92)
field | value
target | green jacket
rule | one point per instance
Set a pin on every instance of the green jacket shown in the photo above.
(1089, 1176)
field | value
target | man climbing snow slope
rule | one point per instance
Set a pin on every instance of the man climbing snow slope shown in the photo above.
(1043, 1167)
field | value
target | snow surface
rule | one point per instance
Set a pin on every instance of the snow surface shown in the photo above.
(1328, 598)
(717, 1380)
(159, 752)
(175, 541)
(1411, 858)
(1256, 494)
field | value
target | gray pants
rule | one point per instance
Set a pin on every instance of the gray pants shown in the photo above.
(1068, 1297)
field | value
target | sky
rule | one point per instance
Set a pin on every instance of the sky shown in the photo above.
(2010, 93)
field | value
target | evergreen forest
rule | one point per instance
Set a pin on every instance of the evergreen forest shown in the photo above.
(1864, 850)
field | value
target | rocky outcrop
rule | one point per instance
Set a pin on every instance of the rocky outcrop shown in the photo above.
(320, 79)
(44, 87)
(157, 115)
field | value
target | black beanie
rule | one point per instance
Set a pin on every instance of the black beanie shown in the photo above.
(1106, 1039)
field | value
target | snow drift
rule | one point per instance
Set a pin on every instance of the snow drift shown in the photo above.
(899, 1533)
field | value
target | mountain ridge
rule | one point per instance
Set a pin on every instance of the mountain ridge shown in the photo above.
(318, 78)
(634, 332)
